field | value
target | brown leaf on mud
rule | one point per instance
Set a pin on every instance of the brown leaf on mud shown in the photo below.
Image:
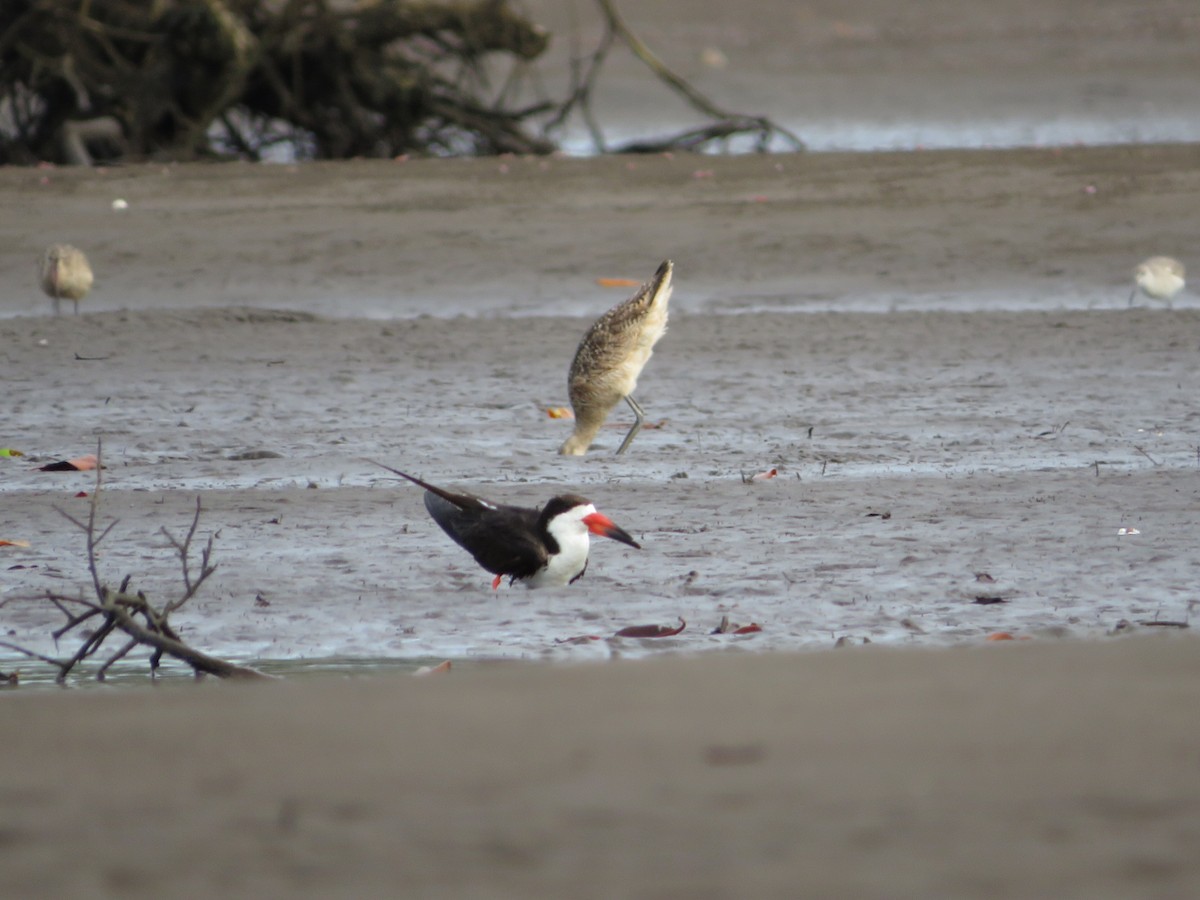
(4, 543)
(560, 412)
(651, 631)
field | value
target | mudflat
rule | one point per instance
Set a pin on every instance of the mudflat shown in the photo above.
(972, 432)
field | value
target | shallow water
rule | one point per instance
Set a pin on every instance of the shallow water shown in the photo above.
(826, 135)
(135, 672)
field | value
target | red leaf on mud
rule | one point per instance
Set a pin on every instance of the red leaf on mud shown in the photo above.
(748, 629)
(651, 631)
(1000, 636)
(440, 669)
(81, 494)
(14, 543)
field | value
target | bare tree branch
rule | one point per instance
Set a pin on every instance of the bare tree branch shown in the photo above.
(132, 613)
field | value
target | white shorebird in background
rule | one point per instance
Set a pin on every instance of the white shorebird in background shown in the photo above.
(65, 273)
(610, 358)
(1159, 278)
(539, 548)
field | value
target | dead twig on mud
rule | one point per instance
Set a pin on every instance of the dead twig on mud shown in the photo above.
(132, 613)
(1147, 455)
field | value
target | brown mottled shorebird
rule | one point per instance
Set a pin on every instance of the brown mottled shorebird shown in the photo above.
(65, 273)
(610, 358)
(1159, 278)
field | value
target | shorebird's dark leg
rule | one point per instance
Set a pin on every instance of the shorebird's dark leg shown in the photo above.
(1132, 295)
(637, 423)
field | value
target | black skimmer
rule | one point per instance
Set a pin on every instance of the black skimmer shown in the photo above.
(610, 358)
(65, 273)
(1159, 278)
(539, 548)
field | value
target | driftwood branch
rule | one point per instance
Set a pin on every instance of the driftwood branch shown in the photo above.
(329, 79)
(132, 614)
(725, 125)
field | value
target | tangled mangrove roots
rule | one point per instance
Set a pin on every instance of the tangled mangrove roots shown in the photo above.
(176, 78)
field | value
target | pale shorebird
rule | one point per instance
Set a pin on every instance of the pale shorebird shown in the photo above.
(539, 548)
(65, 273)
(610, 358)
(1159, 278)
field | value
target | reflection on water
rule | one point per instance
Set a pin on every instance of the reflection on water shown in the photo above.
(37, 675)
(826, 135)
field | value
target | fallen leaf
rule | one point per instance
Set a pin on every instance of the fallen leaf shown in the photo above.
(14, 543)
(9, 451)
(999, 636)
(440, 669)
(651, 631)
(618, 282)
(752, 628)
(987, 599)
(985, 578)
(560, 412)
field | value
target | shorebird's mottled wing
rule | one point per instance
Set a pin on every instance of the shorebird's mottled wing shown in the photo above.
(613, 336)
